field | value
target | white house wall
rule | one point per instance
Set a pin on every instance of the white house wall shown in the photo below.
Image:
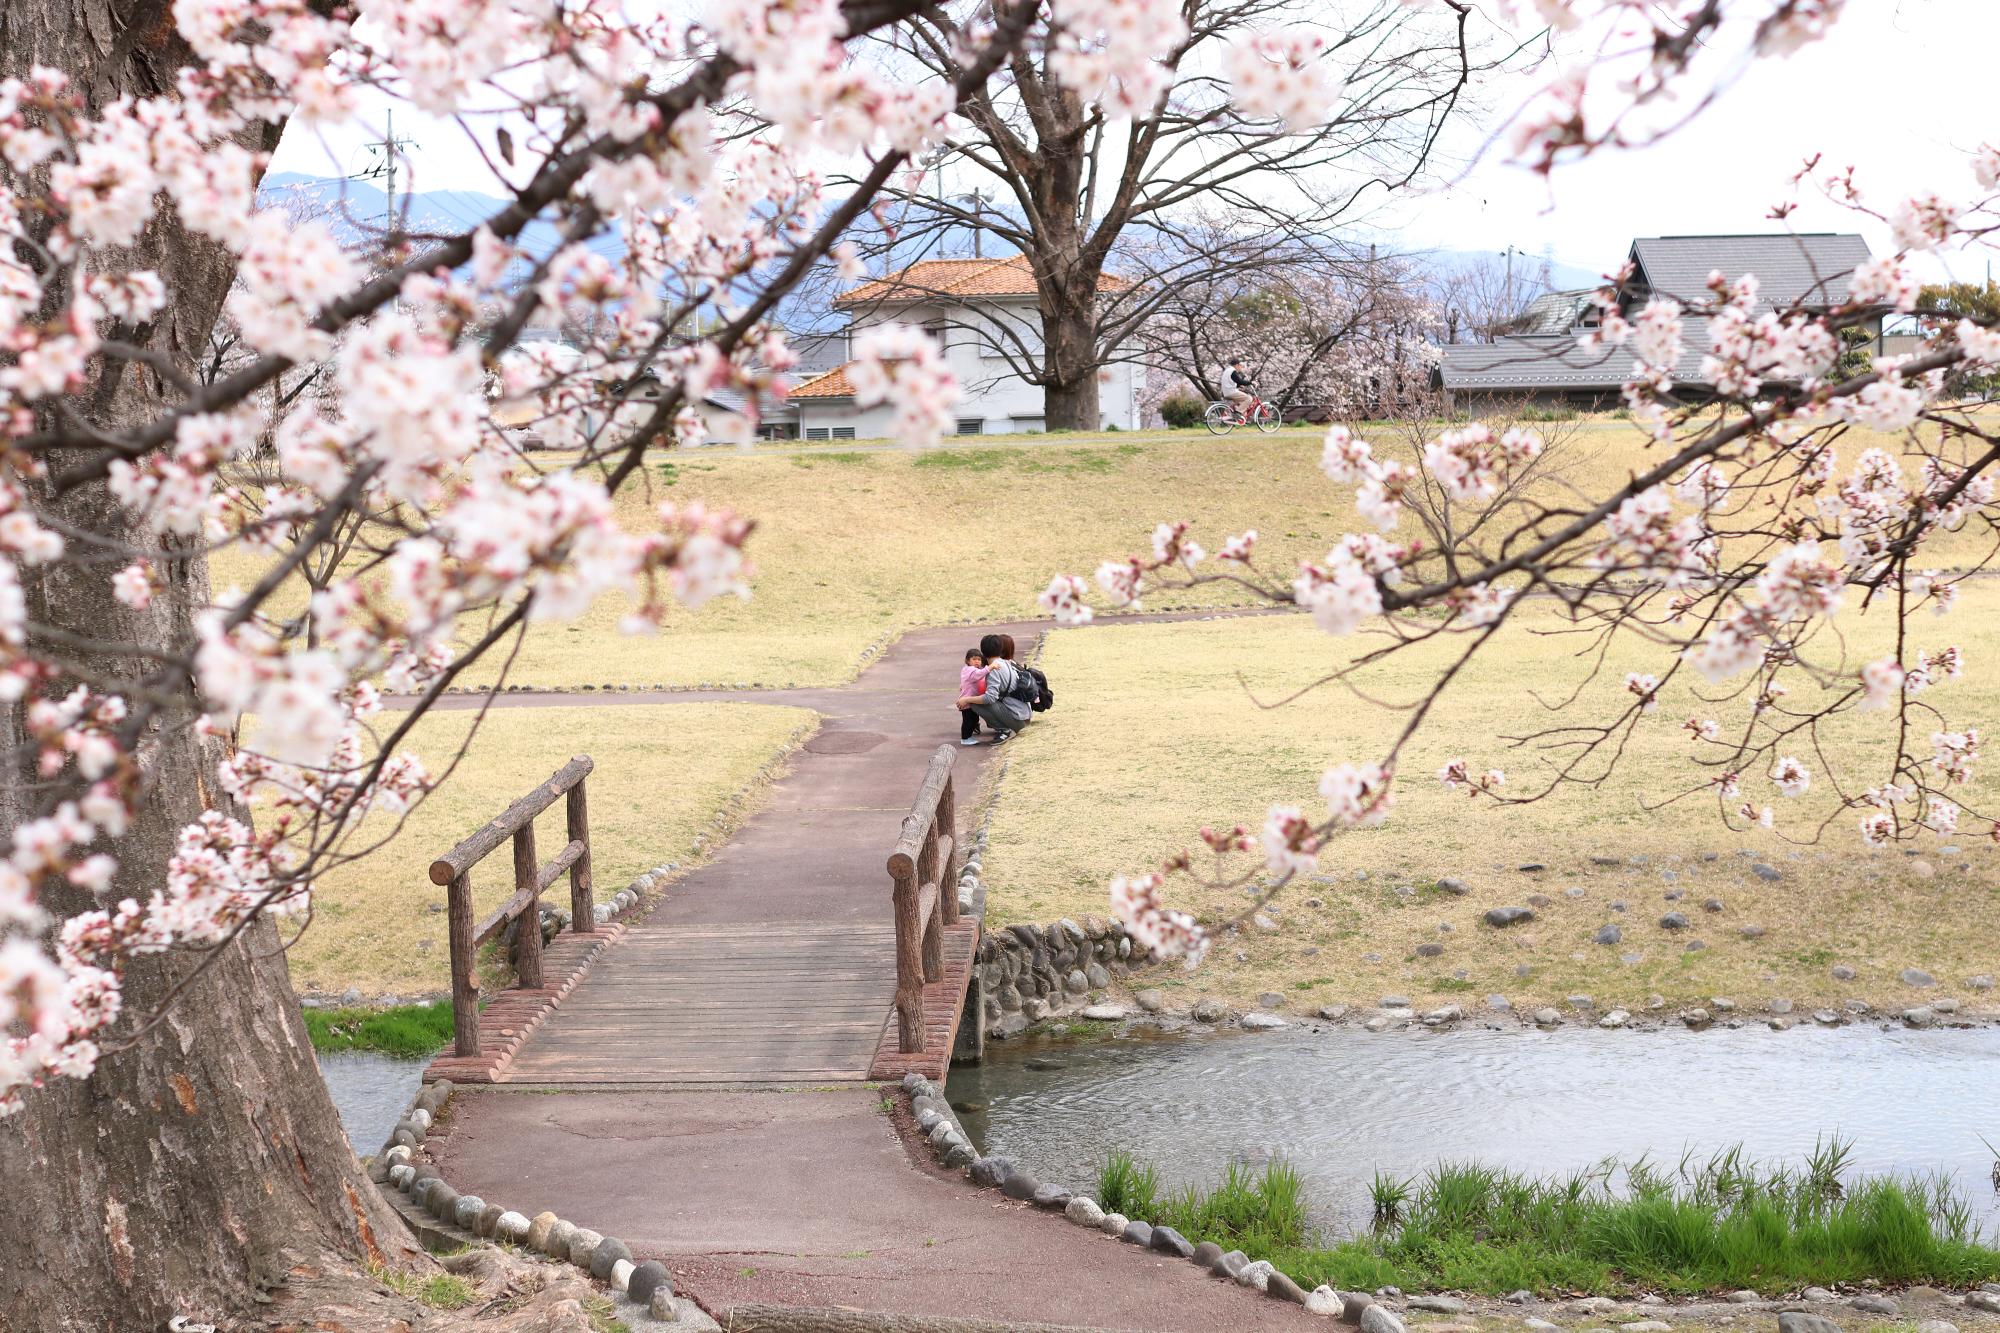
(989, 390)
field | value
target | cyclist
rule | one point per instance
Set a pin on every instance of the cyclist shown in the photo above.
(1236, 387)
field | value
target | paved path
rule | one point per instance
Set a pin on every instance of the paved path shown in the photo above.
(807, 1194)
(812, 1198)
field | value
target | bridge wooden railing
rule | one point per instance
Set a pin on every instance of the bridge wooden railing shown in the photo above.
(924, 872)
(454, 869)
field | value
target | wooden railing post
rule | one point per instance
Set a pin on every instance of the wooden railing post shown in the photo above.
(909, 967)
(931, 925)
(528, 932)
(947, 823)
(464, 985)
(582, 910)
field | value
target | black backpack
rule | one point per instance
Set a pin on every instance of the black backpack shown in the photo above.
(1032, 688)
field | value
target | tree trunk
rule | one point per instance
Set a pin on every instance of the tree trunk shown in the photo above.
(200, 1165)
(1069, 337)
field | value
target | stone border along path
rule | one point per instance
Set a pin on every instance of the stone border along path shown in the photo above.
(802, 1192)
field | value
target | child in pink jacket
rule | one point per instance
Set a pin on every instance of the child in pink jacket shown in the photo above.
(971, 684)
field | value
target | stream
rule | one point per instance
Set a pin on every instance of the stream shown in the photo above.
(370, 1091)
(1343, 1104)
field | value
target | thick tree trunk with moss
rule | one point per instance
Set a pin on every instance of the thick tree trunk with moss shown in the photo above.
(204, 1162)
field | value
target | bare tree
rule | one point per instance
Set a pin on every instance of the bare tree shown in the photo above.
(1115, 216)
(1487, 299)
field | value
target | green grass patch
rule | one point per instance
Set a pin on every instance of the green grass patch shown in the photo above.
(410, 1030)
(1724, 1224)
(441, 1291)
(1097, 461)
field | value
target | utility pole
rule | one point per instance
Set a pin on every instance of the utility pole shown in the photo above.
(386, 149)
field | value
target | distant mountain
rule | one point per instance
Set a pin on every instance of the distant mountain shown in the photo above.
(359, 209)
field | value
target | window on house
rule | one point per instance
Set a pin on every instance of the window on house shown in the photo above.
(971, 426)
(817, 433)
(842, 433)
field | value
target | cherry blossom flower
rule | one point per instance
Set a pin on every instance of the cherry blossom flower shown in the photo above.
(1291, 844)
(1063, 599)
(1790, 776)
(1646, 687)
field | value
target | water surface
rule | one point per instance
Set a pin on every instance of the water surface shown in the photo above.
(1343, 1104)
(370, 1091)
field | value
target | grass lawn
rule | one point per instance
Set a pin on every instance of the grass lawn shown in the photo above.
(663, 774)
(857, 543)
(1158, 732)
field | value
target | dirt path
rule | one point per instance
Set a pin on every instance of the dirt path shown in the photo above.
(806, 1195)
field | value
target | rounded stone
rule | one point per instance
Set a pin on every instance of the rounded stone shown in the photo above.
(1084, 1212)
(582, 1245)
(1283, 1288)
(401, 1176)
(663, 1306)
(398, 1154)
(1020, 1185)
(441, 1201)
(467, 1209)
(488, 1220)
(511, 1227)
(1113, 1224)
(606, 1253)
(555, 1243)
(648, 1278)
(621, 1274)
(1138, 1233)
(1257, 1274)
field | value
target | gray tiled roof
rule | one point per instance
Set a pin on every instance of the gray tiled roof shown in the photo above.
(1805, 269)
(1554, 312)
(1556, 361)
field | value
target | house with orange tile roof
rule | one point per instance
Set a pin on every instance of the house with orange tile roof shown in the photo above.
(986, 314)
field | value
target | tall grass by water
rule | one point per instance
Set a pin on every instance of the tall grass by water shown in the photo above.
(411, 1030)
(1721, 1224)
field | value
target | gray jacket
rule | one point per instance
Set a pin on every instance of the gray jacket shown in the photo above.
(1001, 677)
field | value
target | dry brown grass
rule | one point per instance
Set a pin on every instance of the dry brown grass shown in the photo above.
(663, 774)
(856, 544)
(1159, 732)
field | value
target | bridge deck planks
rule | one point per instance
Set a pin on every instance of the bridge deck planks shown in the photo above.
(685, 1004)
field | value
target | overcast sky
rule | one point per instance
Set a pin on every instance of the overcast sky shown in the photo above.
(1903, 89)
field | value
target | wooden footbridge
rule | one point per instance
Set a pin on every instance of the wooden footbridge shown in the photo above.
(769, 966)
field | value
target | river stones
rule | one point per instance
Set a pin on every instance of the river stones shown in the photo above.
(1352, 1303)
(606, 1253)
(1052, 1197)
(1439, 1304)
(648, 1278)
(1232, 1264)
(1873, 1303)
(1283, 1288)
(1084, 1212)
(582, 1245)
(1796, 1321)
(992, 1171)
(1377, 1319)
(1113, 1224)
(1324, 1300)
(538, 1231)
(1169, 1241)
(1256, 1274)
(556, 1243)
(1207, 1254)
(1502, 917)
(1020, 1185)
(1138, 1233)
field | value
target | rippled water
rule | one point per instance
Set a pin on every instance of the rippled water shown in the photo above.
(1341, 1105)
(370, 1090)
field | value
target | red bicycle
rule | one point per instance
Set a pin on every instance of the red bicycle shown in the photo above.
(1222, 416)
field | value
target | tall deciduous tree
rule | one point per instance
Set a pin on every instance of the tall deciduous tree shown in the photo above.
(1123, 195)
(200, 1162)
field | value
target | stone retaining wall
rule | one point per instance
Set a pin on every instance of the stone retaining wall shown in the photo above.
(1027, 973)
